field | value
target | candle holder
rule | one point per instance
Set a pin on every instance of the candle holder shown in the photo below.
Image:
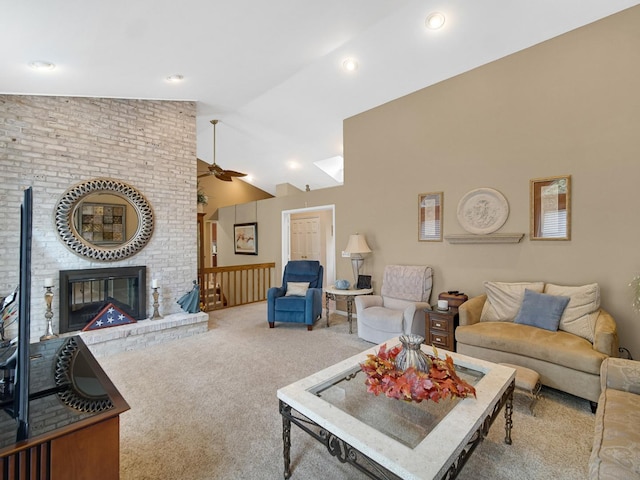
(49, 334)
(156, 313)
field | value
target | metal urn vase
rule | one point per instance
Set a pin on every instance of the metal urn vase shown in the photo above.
(411, 355)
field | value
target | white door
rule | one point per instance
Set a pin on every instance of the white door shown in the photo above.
(325, 250)
(305, 238)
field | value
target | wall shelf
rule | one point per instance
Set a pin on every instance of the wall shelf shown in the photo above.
(490, 238)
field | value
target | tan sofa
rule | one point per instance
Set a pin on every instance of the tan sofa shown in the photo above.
(616, 443)
(565, 361)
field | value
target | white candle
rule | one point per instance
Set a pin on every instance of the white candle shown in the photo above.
(154, 283)
(48, 282)
(443, 305)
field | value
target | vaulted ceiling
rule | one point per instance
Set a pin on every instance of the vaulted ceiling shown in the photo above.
(271, 72)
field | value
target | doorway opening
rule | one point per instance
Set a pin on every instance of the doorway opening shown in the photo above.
(309, 234)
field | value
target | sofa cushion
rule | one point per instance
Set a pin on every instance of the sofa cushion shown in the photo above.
(297, 289)
(385, 319)
(559, 347)
(541, 310)
(504, 300)
(290, 304)
(616, 445)
(581, 314)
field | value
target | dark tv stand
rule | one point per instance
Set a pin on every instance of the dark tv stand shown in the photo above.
(74, 418)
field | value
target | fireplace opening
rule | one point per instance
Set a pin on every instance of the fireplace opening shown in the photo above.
(84, 293)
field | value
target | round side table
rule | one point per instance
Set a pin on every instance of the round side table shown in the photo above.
(333, 293)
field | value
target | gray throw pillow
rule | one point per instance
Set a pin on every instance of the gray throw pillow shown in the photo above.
(541, 310)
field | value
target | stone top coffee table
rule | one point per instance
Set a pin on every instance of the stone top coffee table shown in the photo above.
(388, 438)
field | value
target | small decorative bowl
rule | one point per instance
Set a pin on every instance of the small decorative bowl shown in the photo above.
(342, 284)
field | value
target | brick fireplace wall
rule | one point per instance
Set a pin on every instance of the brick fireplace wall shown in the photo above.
(53, 143)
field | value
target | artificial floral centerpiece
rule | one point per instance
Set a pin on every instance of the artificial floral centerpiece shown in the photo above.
(435, 381)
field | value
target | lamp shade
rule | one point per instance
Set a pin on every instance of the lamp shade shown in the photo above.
(357, 244)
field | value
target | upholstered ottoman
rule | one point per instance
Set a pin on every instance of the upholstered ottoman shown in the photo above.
(528, 381)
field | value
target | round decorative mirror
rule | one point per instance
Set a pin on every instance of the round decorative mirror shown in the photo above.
(104, 219)
(78, 385)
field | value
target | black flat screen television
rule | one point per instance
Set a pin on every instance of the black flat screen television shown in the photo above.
(21, 391)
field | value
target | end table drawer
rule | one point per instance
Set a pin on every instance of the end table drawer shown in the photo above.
(438, 323)
(440, 340)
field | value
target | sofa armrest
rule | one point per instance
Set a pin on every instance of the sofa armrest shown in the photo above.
(416, 322)
(275, 292)
(409, 313)
(620, 374)
(469, 312)
(421, 307)
(366, 301)
(605, 339)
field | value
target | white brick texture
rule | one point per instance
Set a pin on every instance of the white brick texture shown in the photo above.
(54, 143)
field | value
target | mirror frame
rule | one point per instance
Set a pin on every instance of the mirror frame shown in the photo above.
(559, 199)
(74, 196)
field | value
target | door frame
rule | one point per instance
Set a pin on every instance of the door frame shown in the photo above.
(330, 253)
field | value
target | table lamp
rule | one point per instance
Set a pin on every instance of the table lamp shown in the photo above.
(355, 248)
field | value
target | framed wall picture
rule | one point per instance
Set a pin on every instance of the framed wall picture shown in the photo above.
(430, 217)
(102, 223)
(245, 237)
(550, 208)
(364, 281)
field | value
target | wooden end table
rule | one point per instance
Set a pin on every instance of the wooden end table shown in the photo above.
(333, 293)
(440, 328)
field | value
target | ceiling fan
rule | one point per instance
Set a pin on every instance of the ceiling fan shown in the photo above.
(214, 169)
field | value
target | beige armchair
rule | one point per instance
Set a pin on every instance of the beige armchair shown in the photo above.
(616, 444)
(399, 309)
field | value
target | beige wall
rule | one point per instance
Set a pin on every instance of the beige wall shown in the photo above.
(568, 106)
(222, 194)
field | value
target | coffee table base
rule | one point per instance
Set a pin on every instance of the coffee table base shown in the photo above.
(483, 431)
(345, 453)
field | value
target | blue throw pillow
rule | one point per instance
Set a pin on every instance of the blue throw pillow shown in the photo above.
(541, 310)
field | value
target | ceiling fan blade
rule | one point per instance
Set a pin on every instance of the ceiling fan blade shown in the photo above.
(222, 176)
(233, 173)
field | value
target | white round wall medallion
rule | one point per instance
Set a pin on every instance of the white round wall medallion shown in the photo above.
(482, 211)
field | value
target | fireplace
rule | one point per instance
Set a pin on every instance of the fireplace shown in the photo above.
(84, 293)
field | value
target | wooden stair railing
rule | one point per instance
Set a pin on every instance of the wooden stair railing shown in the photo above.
(223, 287)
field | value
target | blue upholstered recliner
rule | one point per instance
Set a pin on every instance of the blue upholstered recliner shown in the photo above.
(297, 302)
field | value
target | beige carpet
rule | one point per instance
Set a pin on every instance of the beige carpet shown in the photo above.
(205, 407)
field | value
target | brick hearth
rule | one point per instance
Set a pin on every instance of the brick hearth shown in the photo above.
(144, 333)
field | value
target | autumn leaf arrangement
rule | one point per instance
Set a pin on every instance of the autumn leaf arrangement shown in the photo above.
(439, 382)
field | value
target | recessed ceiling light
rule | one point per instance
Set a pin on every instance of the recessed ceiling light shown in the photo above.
(350, 64)
(175, 78)
(434, 20)
(41, 65)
